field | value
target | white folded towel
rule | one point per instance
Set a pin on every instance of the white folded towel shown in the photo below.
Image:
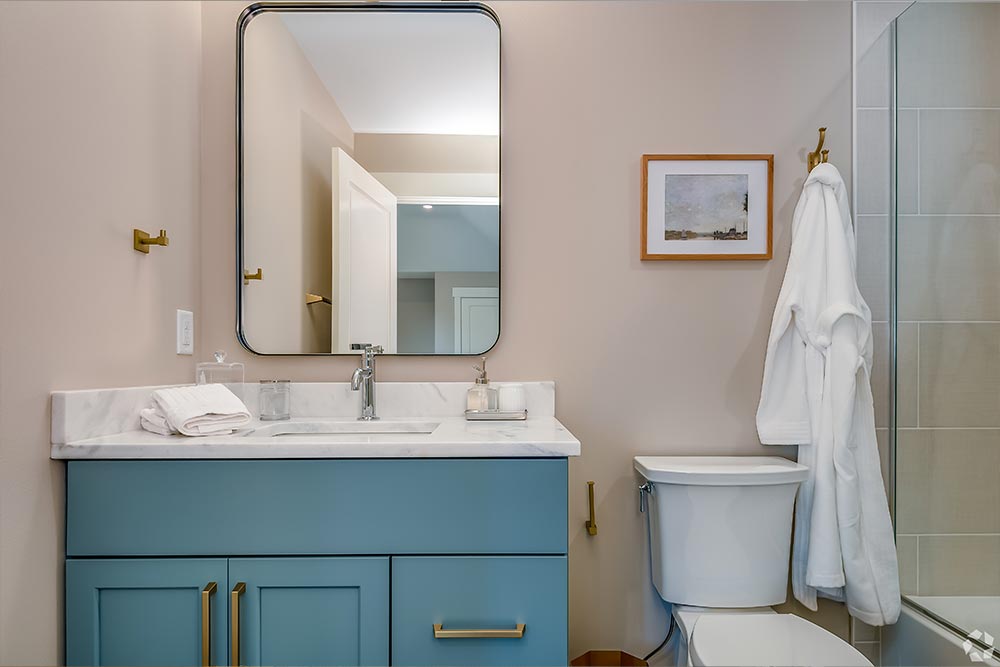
(205, 409)
(154, 421)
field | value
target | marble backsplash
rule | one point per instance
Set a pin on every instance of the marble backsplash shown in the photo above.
(92, 413)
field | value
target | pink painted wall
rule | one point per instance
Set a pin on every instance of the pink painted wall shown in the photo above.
(117, 115)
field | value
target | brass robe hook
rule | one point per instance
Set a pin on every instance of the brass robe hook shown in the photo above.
(819, 155)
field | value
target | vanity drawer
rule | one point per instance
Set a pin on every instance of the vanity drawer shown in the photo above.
(328, 507)
(477, 593)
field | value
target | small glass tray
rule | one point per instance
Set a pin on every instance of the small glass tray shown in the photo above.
(495, 415)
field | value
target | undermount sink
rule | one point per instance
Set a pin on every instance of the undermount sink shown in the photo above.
(377, 427)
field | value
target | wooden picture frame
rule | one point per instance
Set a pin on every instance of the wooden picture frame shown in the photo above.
(696, 214)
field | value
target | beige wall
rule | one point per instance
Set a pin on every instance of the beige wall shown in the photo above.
(435, 153)
(99, 129)
(650, 358)
(291, 124)
(101, 133)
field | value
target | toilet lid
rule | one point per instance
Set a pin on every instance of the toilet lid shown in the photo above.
(768, 639)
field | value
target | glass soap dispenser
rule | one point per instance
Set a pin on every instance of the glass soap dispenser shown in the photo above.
(482, 397)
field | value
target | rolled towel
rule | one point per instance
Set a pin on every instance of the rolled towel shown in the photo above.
(154, 421)
(204, 409)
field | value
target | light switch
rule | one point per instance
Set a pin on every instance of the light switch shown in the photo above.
(185, 332)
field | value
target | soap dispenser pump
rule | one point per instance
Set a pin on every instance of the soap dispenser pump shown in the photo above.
(481, 397)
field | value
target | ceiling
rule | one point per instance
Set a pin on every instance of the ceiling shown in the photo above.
(413, 73)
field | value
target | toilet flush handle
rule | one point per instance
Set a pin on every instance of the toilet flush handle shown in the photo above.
(643, 490)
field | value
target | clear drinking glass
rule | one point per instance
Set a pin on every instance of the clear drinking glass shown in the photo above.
(274, 400)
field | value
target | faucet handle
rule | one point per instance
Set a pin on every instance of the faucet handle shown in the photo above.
(367, 347)
(360, 346)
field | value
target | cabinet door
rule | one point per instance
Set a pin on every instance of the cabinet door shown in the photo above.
(479, 610)
(311, 611)
(145, 612)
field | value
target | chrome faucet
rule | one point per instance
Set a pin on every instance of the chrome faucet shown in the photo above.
(364, 379)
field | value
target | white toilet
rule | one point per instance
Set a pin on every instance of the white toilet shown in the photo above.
(720, 532)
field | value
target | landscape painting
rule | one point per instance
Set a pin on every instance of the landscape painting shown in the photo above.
(706, 206)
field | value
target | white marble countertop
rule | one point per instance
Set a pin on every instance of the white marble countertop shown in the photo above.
(452, 437)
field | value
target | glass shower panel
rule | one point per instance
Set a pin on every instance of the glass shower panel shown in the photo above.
(947, 310)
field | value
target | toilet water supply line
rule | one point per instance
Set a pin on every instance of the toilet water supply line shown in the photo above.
(644, 489)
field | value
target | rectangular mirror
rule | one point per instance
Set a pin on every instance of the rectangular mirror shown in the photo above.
(369, 178)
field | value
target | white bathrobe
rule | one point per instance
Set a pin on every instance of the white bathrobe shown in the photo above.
(817, 395)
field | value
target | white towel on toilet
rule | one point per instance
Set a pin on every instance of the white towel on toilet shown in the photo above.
(205, 409)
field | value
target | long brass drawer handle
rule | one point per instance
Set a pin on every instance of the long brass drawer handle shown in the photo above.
(234, 623)
(206, 623)
(441, 633)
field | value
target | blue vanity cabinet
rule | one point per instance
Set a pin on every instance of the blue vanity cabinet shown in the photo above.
(145, 611)
(334, 561)
(479, 610)
(310, 611)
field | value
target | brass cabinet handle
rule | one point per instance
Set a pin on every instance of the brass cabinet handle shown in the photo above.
(234, 623)
(441, 633)
(206, 623)
(247, 276)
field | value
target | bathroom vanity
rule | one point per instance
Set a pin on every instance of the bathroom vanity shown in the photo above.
(414, 541)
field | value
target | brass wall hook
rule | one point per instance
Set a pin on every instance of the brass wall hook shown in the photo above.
(247, 276)
(592, 523)
(819, 155)
(142, 240)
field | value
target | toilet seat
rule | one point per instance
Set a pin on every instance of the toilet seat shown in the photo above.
(768, 639)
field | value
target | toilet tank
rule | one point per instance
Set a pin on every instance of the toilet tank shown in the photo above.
(720, 527)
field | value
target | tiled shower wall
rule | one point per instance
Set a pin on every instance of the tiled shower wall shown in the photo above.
(947, 506)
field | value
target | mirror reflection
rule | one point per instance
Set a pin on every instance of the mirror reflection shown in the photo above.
(369, 181)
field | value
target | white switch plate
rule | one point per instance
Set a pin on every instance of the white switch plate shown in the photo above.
(185, 332)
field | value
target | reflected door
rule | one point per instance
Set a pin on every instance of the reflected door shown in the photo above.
(477, 318)
(364, 258)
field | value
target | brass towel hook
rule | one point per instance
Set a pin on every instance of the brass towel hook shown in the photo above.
(819, 155)
(247, 276)
(141, 240)
(592, 524)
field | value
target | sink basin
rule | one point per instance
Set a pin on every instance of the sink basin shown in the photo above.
(343, 428)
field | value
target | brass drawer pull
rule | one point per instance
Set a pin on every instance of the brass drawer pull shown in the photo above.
(234, 623)
(441, 633)
(206, 623)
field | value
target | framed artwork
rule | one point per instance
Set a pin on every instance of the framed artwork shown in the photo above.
(707, 206)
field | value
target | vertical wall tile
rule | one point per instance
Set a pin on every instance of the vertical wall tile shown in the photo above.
(946, 481)
(874, 73)
(873, 263)
(907, 374)
(880, 373)
(907, 554)
(960, 161)
(873, 133)
(883, 442)
(907, 160)
(949, 268)
(959, 375)
(863, 632)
